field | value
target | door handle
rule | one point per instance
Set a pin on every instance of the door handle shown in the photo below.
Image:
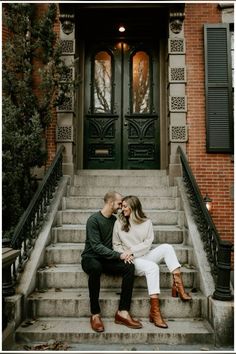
(126, 124)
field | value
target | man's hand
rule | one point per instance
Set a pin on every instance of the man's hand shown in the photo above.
(127, 256)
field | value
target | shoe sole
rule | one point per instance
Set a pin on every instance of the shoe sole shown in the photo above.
(124, 324)
(97, 330)
(157, 325)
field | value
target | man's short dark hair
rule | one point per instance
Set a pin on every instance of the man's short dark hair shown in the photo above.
(110, 196)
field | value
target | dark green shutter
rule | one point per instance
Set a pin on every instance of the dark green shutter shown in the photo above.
(218, 85)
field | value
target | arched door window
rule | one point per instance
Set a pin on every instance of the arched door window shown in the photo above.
(102, 83)
(140, 87)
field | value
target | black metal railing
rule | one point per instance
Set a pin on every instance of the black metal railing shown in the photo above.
(218, 251)
(30, 223)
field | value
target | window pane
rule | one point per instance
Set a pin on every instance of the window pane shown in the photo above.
(102, 83)
(141, 83)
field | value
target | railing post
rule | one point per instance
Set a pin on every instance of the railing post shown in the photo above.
(8, 258)
(8, 284)
(223, 291)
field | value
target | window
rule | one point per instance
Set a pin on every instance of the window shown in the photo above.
(140, 82)
(218, 86)
(102, 82)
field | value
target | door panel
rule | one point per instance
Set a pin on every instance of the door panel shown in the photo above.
(121, 107)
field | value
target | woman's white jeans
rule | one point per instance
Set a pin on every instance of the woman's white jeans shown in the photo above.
(148, 265)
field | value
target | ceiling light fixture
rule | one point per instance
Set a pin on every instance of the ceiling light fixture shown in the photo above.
(121, 28)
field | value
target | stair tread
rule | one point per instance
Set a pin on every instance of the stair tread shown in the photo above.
(78, 293)
(95, 210)
(82, 325)
(104, 172)
(78, 268)
(80, 246)
(155, 227)
(100, 198)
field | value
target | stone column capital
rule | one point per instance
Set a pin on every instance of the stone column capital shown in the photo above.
(67, 23)
(176, 18)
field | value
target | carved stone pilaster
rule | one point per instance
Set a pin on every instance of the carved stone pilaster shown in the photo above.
(66, 111)
(178, 130)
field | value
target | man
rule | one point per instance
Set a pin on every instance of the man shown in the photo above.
(98, 257)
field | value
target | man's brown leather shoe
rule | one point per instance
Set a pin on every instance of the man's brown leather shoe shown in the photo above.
(131, 323)
(96, 324)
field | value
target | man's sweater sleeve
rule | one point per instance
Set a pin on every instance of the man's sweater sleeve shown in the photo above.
(95, 241)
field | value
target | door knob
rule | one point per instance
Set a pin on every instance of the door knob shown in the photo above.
(125, 124)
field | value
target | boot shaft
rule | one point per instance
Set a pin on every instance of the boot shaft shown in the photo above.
(178, 288)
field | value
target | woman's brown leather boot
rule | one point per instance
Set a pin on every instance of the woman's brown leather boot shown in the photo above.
(155, 313)
(178, 288)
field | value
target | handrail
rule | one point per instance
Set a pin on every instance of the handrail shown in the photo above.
(218, 251)
(28, 227)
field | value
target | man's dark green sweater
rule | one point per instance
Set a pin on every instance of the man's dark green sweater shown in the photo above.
(98, 242)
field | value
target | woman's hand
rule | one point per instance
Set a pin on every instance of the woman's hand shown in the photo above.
(127, 256)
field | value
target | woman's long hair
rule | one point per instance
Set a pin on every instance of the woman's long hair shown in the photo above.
(137, 215)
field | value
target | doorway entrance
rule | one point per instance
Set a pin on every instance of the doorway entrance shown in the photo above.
(121, 116)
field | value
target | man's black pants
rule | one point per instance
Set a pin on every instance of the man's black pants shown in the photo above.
(94, 267)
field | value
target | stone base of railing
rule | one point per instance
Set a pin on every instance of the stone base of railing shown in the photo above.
(222, 312)
(13, 314)
(8, 336)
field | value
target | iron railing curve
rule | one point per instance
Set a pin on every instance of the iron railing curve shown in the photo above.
(29, 225)
(218, 251)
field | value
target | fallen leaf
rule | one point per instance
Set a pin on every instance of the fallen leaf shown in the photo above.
(43, 290)
(58, 289)
(51, 345)
(46, 326)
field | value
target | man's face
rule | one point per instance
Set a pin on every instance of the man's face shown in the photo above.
(116, 204)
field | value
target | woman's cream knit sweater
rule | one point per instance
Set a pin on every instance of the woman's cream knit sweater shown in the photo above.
(138, 239)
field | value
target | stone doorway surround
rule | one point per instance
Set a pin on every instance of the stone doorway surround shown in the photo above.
(173, 100)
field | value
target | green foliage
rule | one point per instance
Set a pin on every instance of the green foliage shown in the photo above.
(25, 115)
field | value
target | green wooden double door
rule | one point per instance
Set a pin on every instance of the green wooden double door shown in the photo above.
(122, 106)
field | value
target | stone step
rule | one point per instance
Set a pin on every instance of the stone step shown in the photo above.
(75, 303)
(132, 173)
(72, 276)
(80, 216)
(77, 234)
(78, 330)
(70, 253)
(114, 182)
(159, 203)
(140, 191)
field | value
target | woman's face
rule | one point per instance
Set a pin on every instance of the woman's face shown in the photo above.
(126, 209)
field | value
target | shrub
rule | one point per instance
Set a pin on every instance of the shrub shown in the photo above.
(26, 112)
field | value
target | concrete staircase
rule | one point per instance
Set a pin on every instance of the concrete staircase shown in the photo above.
(59, 307)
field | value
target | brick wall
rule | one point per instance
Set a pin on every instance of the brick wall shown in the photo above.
(213, 172)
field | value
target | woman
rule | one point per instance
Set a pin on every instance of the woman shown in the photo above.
(133, 233)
